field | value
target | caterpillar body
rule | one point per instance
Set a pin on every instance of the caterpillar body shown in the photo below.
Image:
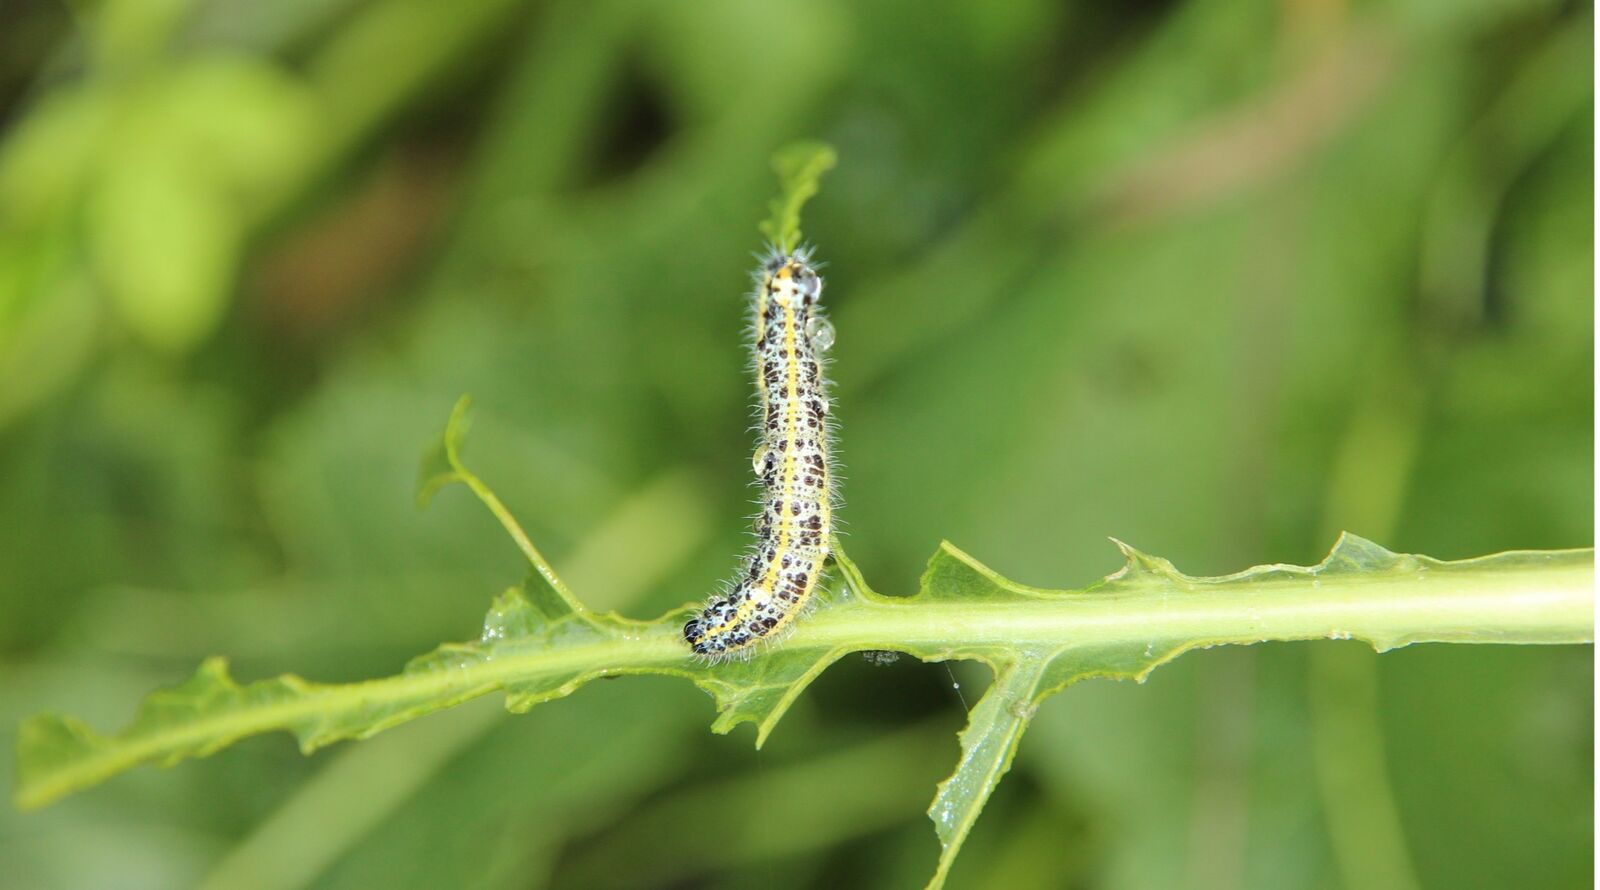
(793, 530)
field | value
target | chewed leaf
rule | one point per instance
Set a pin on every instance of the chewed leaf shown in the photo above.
(1140, 568)
(1353, 553)
(988, 745)
(800, 167)
(761, 690)
(1148, 612)
(58, 755)
(539, 642)
(533, 648)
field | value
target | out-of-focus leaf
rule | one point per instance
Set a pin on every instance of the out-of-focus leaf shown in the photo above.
(206, 149)
(46, 345)
(246, 126)
(165, 247)
(354, 76)
(48, 313)
(46, 158)
(128, 33)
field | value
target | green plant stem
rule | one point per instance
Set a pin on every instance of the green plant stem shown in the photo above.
(1549, 600)
(455, 431)
(323, 818)
(1527, 597)
(514, 529)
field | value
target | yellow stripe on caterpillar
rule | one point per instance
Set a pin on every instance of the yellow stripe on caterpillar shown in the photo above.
(793, 530)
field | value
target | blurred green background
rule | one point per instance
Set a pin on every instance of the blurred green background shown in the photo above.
(1219, 278)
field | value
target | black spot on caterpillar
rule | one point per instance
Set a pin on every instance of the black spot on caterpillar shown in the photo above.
(781, 572)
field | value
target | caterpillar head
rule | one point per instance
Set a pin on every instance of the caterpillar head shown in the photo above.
(790, 280)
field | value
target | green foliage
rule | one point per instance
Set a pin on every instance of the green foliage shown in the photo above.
(1219, 279)
(539, 643)
(174, 161)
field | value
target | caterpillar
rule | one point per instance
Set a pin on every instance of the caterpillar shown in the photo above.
(793, 530)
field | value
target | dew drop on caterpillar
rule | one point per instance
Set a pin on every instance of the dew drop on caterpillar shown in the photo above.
(780, 574)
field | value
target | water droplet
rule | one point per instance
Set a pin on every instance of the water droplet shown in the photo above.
(820, 333)
(758, 462)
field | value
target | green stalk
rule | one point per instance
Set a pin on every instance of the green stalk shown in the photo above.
(1126, 625)
(1517, 597)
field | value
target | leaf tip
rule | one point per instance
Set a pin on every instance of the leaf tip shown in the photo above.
(948, 549)
(1351, 552)
(441, 465)
(728, 717)
(763, 730)
(455, 429)
(214, 669)
(1138, 564)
